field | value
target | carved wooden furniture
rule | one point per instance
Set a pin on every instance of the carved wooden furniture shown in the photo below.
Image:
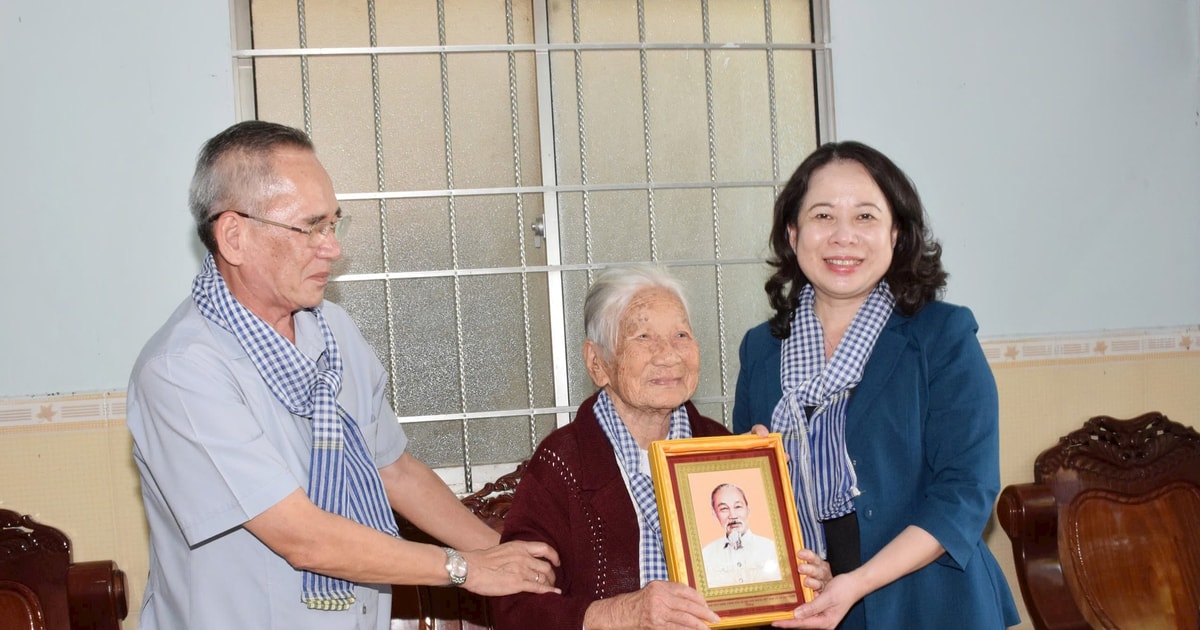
(435, 608)
(41, 589)
(1108, 534)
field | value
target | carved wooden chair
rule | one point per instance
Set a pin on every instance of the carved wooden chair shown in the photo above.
(41, 589)
(437, 608)
(1108, 534)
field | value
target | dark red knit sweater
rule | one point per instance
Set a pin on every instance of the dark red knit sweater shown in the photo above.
(571, 496)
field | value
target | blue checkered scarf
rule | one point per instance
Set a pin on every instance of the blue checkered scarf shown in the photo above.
(822, 475)
(650, 547)
(343, 478)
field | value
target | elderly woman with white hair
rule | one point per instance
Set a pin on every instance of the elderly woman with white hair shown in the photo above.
(587, 489)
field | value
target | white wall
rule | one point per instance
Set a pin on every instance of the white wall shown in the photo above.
(1056, 144)
(104, 106)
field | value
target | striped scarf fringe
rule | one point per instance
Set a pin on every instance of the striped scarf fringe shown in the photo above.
(651, 557)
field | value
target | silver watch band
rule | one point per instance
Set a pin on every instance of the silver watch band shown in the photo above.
(456, 566)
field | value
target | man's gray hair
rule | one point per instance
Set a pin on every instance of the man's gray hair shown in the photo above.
(611, 293)
(713, 498)
(234, 171)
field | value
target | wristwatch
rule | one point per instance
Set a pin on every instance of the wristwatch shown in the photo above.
(456, 566)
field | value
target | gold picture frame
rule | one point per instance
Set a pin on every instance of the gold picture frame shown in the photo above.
(687, 476)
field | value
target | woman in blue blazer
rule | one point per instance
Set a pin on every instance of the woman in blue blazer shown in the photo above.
(887, 406)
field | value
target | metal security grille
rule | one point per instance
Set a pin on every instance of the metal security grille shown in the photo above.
(496, 154)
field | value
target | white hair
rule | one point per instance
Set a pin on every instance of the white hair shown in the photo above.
(611, 293)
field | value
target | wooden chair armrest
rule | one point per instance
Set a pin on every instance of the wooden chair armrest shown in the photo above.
(96, 595)
(1029, 515)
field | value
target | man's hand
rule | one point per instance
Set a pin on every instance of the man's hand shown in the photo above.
(657, 605)
(511, 567)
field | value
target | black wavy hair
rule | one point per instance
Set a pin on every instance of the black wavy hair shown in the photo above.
(916, 275)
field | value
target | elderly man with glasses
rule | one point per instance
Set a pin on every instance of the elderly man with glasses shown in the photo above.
(270, 461)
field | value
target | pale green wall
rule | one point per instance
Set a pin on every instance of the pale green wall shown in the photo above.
(1056, 144)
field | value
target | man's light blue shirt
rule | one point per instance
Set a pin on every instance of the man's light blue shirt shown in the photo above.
(215, 448)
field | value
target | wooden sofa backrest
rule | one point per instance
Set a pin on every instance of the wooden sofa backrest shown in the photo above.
(1107, 535)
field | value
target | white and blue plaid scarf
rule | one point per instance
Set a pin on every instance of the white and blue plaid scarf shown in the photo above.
(650, 547)
(343, 478)
(822, 475)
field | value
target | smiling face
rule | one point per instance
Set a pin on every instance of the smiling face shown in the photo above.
(729, 506)
(656, 364)
(843, 235)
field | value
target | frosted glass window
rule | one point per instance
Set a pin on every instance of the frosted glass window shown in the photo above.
(496, 154)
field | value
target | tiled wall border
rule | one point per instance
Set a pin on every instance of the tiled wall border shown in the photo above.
(1102, 345)
(62, 412)
(77, 411)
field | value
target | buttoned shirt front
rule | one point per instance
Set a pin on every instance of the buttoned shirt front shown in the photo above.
(727, 564)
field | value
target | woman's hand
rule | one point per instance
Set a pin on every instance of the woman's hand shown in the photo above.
(815, 570)
(822, 611)
(511, 567)
(657, 605)
(762, 431)
(912, 549)
(827, 609)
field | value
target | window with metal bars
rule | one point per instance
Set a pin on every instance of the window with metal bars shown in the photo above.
(496, 154)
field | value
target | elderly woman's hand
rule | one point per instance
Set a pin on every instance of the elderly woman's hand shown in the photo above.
(657, 605)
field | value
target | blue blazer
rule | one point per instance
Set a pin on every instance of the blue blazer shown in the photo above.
(923, 434)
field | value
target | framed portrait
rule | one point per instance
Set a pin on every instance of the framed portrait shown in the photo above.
(729, 525)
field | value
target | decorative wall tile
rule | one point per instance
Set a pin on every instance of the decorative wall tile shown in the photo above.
(1101, 345)
(74, 411)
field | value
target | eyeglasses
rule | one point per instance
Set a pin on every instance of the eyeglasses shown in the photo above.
(316, 234)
